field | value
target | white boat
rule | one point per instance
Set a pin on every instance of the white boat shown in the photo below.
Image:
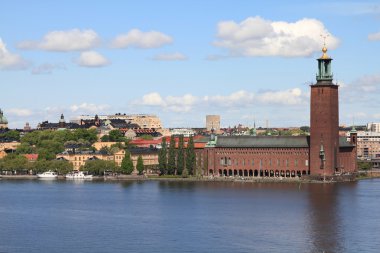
(48, 175)
(78, 175)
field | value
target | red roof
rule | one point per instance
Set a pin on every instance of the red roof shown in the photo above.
(145, 142)
(31, 157)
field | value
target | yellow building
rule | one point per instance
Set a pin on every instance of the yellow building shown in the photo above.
(149, 156)
(80, 158)
(7, 147)
(99, 145)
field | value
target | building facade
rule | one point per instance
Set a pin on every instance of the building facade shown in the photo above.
(320, 155)
(368, 145)
(213, 122)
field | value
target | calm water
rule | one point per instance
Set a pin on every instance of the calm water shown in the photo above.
(41, 216)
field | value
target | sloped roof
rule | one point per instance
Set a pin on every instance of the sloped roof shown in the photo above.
(270, 142)
(343, 143)
(262, 141)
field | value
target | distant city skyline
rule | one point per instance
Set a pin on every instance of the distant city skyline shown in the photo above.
(243, 60)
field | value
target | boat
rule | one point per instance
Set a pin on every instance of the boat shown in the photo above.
(48, 175)
(78, 175)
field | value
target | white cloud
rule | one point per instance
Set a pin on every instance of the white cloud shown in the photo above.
(170, 57)
(64, 41)
(46, 68)
(287, 97)
(367, 83)
(138, 39)
(9, 60)
(19, 112)
(256, 36)
(239, 99)
(92, 59)
(88, 108)
(172, 103)
(374, 36)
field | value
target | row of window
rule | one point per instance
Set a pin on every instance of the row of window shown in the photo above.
(227, 161)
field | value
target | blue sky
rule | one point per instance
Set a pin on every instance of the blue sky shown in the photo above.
(181, 60)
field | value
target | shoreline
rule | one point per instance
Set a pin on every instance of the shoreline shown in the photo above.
(203, 179)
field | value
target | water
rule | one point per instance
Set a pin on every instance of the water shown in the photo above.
(155, 216)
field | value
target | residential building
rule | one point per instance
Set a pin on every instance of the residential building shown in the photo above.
(368, 144)
(182, 131)
(373, 127)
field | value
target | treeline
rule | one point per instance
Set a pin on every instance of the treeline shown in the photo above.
(48, 143)
(177, 160)
(19, 164)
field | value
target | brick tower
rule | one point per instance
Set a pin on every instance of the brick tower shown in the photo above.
(324, 120)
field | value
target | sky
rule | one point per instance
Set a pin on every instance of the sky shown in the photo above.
(248, 61)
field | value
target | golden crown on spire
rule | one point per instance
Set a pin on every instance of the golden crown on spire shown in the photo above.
(324, 55)
(324, 49)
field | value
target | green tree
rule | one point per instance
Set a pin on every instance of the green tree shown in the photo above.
(13, 162)
(162, 157)
(116, 135)
(172, 156)
(26, 148)
(97, 167)
(180, 156)
(105, 138)
(364, 165)
(127, 164)
(305, 128)
(146, 137)
(190, 156)
(11, 135)
(140, 165)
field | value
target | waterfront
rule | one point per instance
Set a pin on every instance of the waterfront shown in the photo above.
(163, 216)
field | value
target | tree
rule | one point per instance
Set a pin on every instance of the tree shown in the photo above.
(364, 165)
(11, 135)
(305, 128)
(127, 164)
(146, 137)
(97, 167)
(116, 135)
(172, 156)
(140, 165)
(162, 157)
(180, 156)
(190, 156)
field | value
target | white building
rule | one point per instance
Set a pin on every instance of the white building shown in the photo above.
(373, 127)
(182, 131)
(368, 144)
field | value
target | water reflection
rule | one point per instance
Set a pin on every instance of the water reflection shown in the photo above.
(325, 217)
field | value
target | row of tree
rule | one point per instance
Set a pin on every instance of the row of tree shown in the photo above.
(21, 165)
(177, 160)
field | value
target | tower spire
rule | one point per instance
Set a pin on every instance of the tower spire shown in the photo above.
(324, 64)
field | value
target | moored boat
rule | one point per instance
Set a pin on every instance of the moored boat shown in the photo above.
(78, 175)
(48, 175)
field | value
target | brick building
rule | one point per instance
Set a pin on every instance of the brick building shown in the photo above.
(323, 153)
